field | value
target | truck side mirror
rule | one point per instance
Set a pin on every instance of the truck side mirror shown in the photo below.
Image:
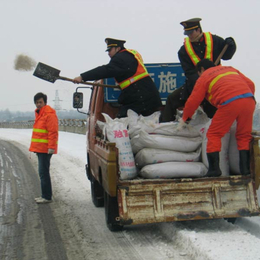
(77, 100)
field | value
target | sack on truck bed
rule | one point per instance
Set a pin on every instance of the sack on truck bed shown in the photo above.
(170, 170)
(151, 156)
(199, 120)
(233, 151)
(173, 143)
(151, 125)
(116, 132)
(223, 155)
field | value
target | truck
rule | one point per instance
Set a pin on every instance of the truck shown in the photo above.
(141, 201)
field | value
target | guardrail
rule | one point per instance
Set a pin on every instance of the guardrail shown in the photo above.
(77, 126)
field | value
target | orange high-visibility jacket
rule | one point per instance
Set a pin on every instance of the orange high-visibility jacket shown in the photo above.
(208, 51)
(141, 71)
(45, 131)
(219, 85)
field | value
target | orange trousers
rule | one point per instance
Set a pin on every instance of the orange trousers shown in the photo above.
(242, 111)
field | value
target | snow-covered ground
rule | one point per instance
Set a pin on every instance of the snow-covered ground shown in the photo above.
(202, 240)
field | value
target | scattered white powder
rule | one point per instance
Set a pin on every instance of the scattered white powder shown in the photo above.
(24, 63)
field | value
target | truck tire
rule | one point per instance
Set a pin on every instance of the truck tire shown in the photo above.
(87, 167)
(111, 213)
(97, 193)
(231, 220)
(88, 173)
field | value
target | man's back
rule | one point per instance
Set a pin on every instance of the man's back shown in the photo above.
(222, 83)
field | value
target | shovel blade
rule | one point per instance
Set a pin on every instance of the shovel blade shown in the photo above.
(46, 72)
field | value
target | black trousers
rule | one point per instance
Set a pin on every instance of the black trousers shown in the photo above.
(175, 100)
(44, 173)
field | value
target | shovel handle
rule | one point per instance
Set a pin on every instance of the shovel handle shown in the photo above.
(90, 83)
(221, 54)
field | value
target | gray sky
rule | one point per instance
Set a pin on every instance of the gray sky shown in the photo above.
(69, 35)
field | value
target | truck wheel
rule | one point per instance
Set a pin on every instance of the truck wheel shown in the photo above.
(231, 220)
(88, 173)
(111, 213)
(97, 193)
(87, 167)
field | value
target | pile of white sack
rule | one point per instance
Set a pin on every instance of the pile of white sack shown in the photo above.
(161, 150)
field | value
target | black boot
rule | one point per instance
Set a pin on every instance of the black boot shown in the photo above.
(244, 162)
(214, 170)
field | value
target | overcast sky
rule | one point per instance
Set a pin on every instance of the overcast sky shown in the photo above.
(69, 35)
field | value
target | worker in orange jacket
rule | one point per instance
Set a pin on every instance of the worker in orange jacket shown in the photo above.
(44, 143)
(232, 94)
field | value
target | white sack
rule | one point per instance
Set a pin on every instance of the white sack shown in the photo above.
(101, 125)
(223, 155)
(151, 156)
(134, 127)
(169, 170)
(116, 132)
(173, 143)
(163, 129)
(151, 125)
(142, 121)
(233, 151)
(171, 129)
(133, 117)
(199, 121)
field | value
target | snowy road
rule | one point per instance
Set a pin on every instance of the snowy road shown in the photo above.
(72, 228)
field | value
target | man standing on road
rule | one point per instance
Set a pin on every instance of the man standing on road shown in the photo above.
(197, 46)
(44, 143)
(232, 94)
(138, 91)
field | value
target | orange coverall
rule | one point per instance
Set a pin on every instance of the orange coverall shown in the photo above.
(233, 94)
(45, 131)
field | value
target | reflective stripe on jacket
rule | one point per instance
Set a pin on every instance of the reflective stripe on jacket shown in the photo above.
(140, 73)
(208, 52)
(45, 131)
(216, 79)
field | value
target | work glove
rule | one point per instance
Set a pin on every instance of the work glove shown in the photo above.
(230, 41)
(182, 125)
(51, 151)
(77, 80)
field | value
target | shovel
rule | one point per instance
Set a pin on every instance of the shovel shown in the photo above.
(51, 74)
(221, 54)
